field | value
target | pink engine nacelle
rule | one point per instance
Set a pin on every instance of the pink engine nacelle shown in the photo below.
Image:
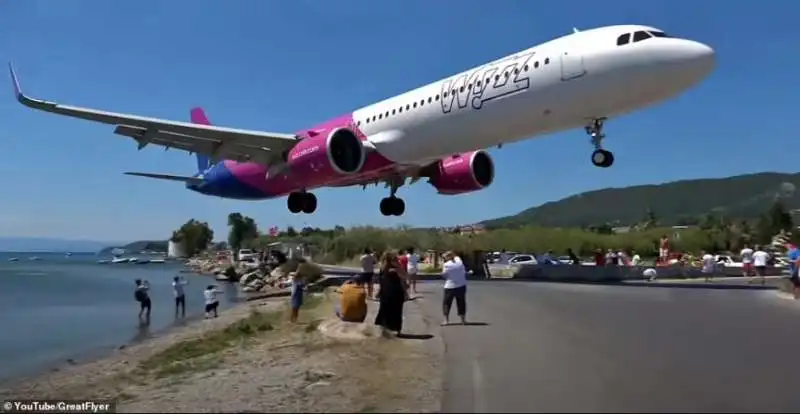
(321, 158)
(463, 173)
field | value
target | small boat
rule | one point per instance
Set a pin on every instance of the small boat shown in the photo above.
(104, 261)
(68, 254)
(133, 259)
(34, 258)
(157, 261)
(119, 260)
(13, 259)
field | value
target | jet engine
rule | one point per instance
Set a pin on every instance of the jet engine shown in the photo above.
(322, 157)
(463, 173)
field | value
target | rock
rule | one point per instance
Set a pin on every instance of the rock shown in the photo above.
(249, 277)
(248, 289)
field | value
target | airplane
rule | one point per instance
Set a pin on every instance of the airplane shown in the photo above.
(438, 131)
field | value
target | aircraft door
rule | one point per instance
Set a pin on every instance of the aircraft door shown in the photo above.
(571, 66)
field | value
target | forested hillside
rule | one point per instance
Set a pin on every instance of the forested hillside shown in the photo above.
(679, 202)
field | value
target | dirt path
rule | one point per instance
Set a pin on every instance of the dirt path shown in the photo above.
(250, 359)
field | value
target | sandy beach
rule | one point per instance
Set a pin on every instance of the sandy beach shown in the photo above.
(251, 359)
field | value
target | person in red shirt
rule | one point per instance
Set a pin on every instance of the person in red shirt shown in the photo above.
(403, 259)
(599, 258)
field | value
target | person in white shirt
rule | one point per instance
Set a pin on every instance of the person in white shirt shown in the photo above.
(709, 266)
(368, 271)
(180, 297)
(636, 259)
(212, 303)
(412, 268)
(747, 261)
(760, 260)
(455, 287)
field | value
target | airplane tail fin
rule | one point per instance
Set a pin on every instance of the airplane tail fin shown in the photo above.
(198, 116)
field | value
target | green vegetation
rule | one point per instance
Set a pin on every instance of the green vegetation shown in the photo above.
(243, 229)
(675, 203)
(139, 246)
(196, 236)
(715, 232)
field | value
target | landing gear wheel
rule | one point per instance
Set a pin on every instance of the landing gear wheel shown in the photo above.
(302, 202)
(392, 206)
(309, 203)
(602, 158)
(295, 202)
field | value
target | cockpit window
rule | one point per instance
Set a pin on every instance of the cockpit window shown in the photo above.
(658, 34)
(639, 36)
(624, 39)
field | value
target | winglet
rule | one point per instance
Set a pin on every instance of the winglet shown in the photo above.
(17, 90)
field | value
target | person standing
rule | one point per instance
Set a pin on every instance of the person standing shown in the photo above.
(393, 293)
(709, 266)
(663, 250)
(142, 295)
(368, 271)
(180, 297)
(747, 261)
(412, 268)
(455, 287)
(212, 303)
(296, 296)
(760, 260)
(793, 256)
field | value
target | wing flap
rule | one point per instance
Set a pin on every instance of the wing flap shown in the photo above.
(253, 142)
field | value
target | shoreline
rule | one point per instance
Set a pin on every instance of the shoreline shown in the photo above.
(251, 352)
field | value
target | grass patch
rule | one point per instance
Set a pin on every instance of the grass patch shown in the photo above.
(184, 356)
(201, 354)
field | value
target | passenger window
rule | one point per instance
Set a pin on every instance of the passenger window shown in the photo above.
(536, 65)
(624, 39)
(393, 111)
(380, 116)
(408, 107)
(505, 74)
(400, 110)
(525, 68)
(496, 77)
(430, 99)
(444, 94)
(461, 89)
(516, 71)
(422, 102)
(469, 86)
(639, 36)
(415, 104)
(547, 61)
(437, 96)
(358, 123)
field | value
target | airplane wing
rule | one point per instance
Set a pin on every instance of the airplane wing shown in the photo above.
(216, 142)
(187, 180)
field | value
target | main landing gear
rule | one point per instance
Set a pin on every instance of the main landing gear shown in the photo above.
(393, 206)
(302, 202)
(600, 157)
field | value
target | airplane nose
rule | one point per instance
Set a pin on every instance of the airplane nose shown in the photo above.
(697, 57)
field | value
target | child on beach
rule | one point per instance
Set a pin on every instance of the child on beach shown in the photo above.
(297, 296)
(212, 303)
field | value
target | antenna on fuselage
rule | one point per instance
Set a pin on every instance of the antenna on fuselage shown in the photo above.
(575, 30)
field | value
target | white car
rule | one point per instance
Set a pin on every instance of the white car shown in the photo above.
(522, 259)
(245, 254)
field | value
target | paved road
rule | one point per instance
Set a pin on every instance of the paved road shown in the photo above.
(591, 348)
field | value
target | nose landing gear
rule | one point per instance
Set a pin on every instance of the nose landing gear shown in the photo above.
(600, 157)
(393, 206)
(302, 202)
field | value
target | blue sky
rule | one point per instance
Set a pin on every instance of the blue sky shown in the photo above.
(284, 65)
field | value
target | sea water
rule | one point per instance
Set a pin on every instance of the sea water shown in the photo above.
(63, 307)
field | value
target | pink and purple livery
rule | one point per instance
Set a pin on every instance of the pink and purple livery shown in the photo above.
(438, 131)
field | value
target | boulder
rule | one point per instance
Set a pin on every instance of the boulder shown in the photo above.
(249, 277)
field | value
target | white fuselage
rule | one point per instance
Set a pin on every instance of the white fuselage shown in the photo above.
(561, 84)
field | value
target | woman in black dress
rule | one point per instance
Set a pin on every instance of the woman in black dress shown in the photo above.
(393, 293)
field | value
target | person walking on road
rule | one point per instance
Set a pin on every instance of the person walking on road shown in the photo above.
(455, 287)
(709, 266)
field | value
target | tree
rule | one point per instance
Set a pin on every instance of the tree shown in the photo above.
(196, 236)
(242, 230)
(291, 232)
